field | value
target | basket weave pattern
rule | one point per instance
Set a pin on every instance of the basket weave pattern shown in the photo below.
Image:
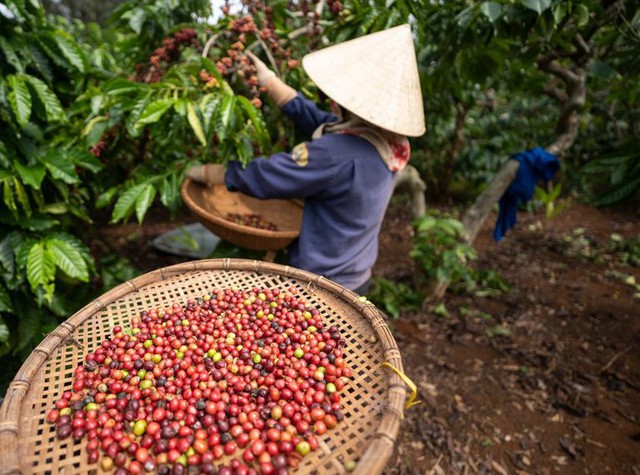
(372, 400)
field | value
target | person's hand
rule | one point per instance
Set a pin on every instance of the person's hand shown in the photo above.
(263, 73)
(275, 87)
(209, 174)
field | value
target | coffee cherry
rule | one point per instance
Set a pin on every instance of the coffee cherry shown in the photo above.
(185, 385)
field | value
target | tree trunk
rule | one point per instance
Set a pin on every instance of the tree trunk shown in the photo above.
(571, 100)
(409, 179)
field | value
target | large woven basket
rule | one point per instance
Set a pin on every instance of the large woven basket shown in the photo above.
(211, 205)
(372, 400)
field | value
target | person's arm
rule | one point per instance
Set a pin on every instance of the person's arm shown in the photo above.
(306, 172)
(305, 113)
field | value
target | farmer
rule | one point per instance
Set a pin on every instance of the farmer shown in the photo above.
(346, 172)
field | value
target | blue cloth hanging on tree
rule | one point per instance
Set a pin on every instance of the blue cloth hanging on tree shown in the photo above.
(535, 164)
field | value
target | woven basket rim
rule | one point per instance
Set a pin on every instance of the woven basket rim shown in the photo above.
(379, 447)
(220, 221)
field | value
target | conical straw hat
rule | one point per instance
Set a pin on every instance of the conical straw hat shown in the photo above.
(375, 77)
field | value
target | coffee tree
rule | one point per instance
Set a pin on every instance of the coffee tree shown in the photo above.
(42, 175)
(194, 98)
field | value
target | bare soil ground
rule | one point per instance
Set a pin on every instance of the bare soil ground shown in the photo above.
(542, 379)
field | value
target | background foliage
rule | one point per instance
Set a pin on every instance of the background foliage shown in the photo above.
(100, 116)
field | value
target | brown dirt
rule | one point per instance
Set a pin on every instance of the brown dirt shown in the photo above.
(557, 390)
(561, 392)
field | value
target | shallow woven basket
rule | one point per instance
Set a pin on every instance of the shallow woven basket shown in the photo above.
(211, 204)
(373, 399)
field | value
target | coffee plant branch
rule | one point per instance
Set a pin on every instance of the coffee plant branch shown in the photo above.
(567, 127)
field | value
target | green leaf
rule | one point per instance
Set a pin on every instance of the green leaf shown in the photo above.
(60, 167)
(41, 266)
(38, 222)
(153, 112)
(47, 98)
(5, 306)
(69, 49)
(144, 201)
(180, 106)
(257, 121)
(20, 99)
(136, 19)
(31, 175)
(4, 329)
(68, 259)
(491, 10)
(55, 208)
(94, 129)
(41, 62)
(208, 106)
(10, 54)
(85, 160)
(125, 204)
(555, 191)
(619, 193)
(619, 174)
(21, 194)
(225, 115)
(582, 13)
(537, 6)
(559, 12)
(7, 254)
(195, 123)
(122, 86)
(9, 199)
(76, 243)
(170, 192)
(105, 198)
(244, 148)
(134, 115)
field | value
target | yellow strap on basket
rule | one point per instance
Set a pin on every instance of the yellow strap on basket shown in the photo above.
(414, 390)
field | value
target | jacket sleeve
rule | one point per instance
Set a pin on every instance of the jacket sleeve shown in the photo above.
(305, 114)
(307, 171)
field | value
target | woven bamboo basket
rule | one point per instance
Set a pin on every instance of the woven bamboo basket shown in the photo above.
(373, 399)
(211, 204)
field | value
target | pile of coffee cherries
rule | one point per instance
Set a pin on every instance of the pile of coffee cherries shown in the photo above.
(252, 220)
(235, 382)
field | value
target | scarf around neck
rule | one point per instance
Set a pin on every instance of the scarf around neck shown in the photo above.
(394, 149)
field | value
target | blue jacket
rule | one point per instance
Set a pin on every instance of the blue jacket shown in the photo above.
(346, 187)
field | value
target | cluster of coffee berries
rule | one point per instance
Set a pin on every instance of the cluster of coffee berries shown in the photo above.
(335, 7)
(245, 25)
(234, 382)
(168, 53)
(100, 149)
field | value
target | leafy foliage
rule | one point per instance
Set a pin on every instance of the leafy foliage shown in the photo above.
(614, 176)
(439, 249)
(41, 174)
(394, 297)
